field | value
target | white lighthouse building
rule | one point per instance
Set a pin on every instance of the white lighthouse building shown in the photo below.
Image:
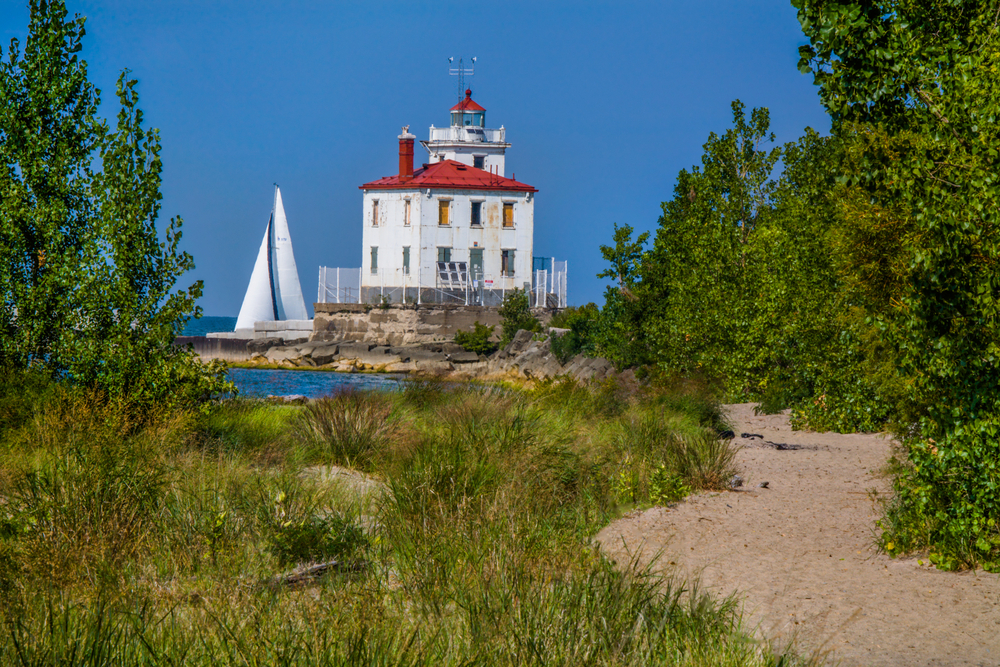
(454, 229)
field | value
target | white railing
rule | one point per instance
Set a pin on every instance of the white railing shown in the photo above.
(468, 133)
(549, 286)
(338, 285)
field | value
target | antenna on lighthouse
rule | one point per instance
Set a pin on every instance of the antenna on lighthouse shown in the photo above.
(461, 71)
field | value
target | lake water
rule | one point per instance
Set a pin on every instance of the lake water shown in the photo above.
(256, 382)
(209, 324)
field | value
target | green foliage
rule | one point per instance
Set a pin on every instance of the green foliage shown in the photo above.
(317, 539)
(924, 77)
(581, 322)
(477, 340)
(704, 277)
(618, 334)
(251, 428)
(766, 288)
(87, 279)
(515, 315)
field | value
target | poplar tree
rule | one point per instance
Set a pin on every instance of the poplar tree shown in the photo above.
(86, 279)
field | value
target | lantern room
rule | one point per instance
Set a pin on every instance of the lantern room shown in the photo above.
(467, 113)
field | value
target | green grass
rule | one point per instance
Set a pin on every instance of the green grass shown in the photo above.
(468, 541)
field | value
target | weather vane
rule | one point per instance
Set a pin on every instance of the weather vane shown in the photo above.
(461, 71)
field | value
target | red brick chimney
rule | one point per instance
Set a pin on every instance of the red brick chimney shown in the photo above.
(406, 154)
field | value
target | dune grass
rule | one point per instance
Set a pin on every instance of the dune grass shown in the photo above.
(466, 541)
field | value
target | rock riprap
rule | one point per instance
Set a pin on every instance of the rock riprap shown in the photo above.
(528, 356)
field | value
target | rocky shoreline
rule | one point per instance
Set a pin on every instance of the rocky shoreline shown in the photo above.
(528, 357)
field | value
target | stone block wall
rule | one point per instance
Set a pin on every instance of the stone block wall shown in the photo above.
(397, 324)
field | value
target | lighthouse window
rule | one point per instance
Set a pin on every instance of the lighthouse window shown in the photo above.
(374, 259)
(478, 161)
(477, 213)
(375, 213)
(406, 213)
(507, 262)
(406, 260)
(508, 215)
(444, 254)
(444, 206)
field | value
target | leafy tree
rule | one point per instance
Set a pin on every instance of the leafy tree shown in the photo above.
(515, 315)
(48, 134)
(618, 332)
(924, 76)
(86, 283)
(702, 280)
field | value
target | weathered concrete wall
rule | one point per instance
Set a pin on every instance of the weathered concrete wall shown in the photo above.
(397, 325)
(287, 329)
(226, 349)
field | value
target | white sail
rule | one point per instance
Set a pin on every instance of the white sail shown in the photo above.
(258, 304)
(287, 290)
(274, 292)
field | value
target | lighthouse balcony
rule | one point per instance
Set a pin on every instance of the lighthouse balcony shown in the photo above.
(467, 134)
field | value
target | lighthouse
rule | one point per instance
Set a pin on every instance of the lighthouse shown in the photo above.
(454, 230)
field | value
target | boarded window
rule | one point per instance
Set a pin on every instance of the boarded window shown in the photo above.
(375, 213)
(406, 213)
(443, 208)
(406, 258)
(507, 262)
(444, 254)
(374, 259)
(478, 161)
(508, 215)
(477, 213)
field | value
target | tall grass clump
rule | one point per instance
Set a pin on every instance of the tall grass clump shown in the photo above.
(350, 428)
(81, 489)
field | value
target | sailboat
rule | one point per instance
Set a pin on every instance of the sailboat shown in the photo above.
(274, 292)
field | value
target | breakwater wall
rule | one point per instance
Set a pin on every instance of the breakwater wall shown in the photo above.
(226, 349)
(398, 324)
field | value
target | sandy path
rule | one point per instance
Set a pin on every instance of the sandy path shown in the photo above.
(800, 556)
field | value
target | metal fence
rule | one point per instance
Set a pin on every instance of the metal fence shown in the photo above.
(453, 283)
(338, 285)
(549, 285)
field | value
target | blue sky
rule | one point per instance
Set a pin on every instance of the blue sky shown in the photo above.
(604, 102)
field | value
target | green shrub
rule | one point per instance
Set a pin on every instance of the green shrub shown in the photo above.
(515, 315)
(946, 499)
(666, 487)
(478, 340)
(581, 323)
(316, 539)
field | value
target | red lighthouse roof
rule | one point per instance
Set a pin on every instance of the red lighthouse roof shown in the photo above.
(467, 104)
(450, 175)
